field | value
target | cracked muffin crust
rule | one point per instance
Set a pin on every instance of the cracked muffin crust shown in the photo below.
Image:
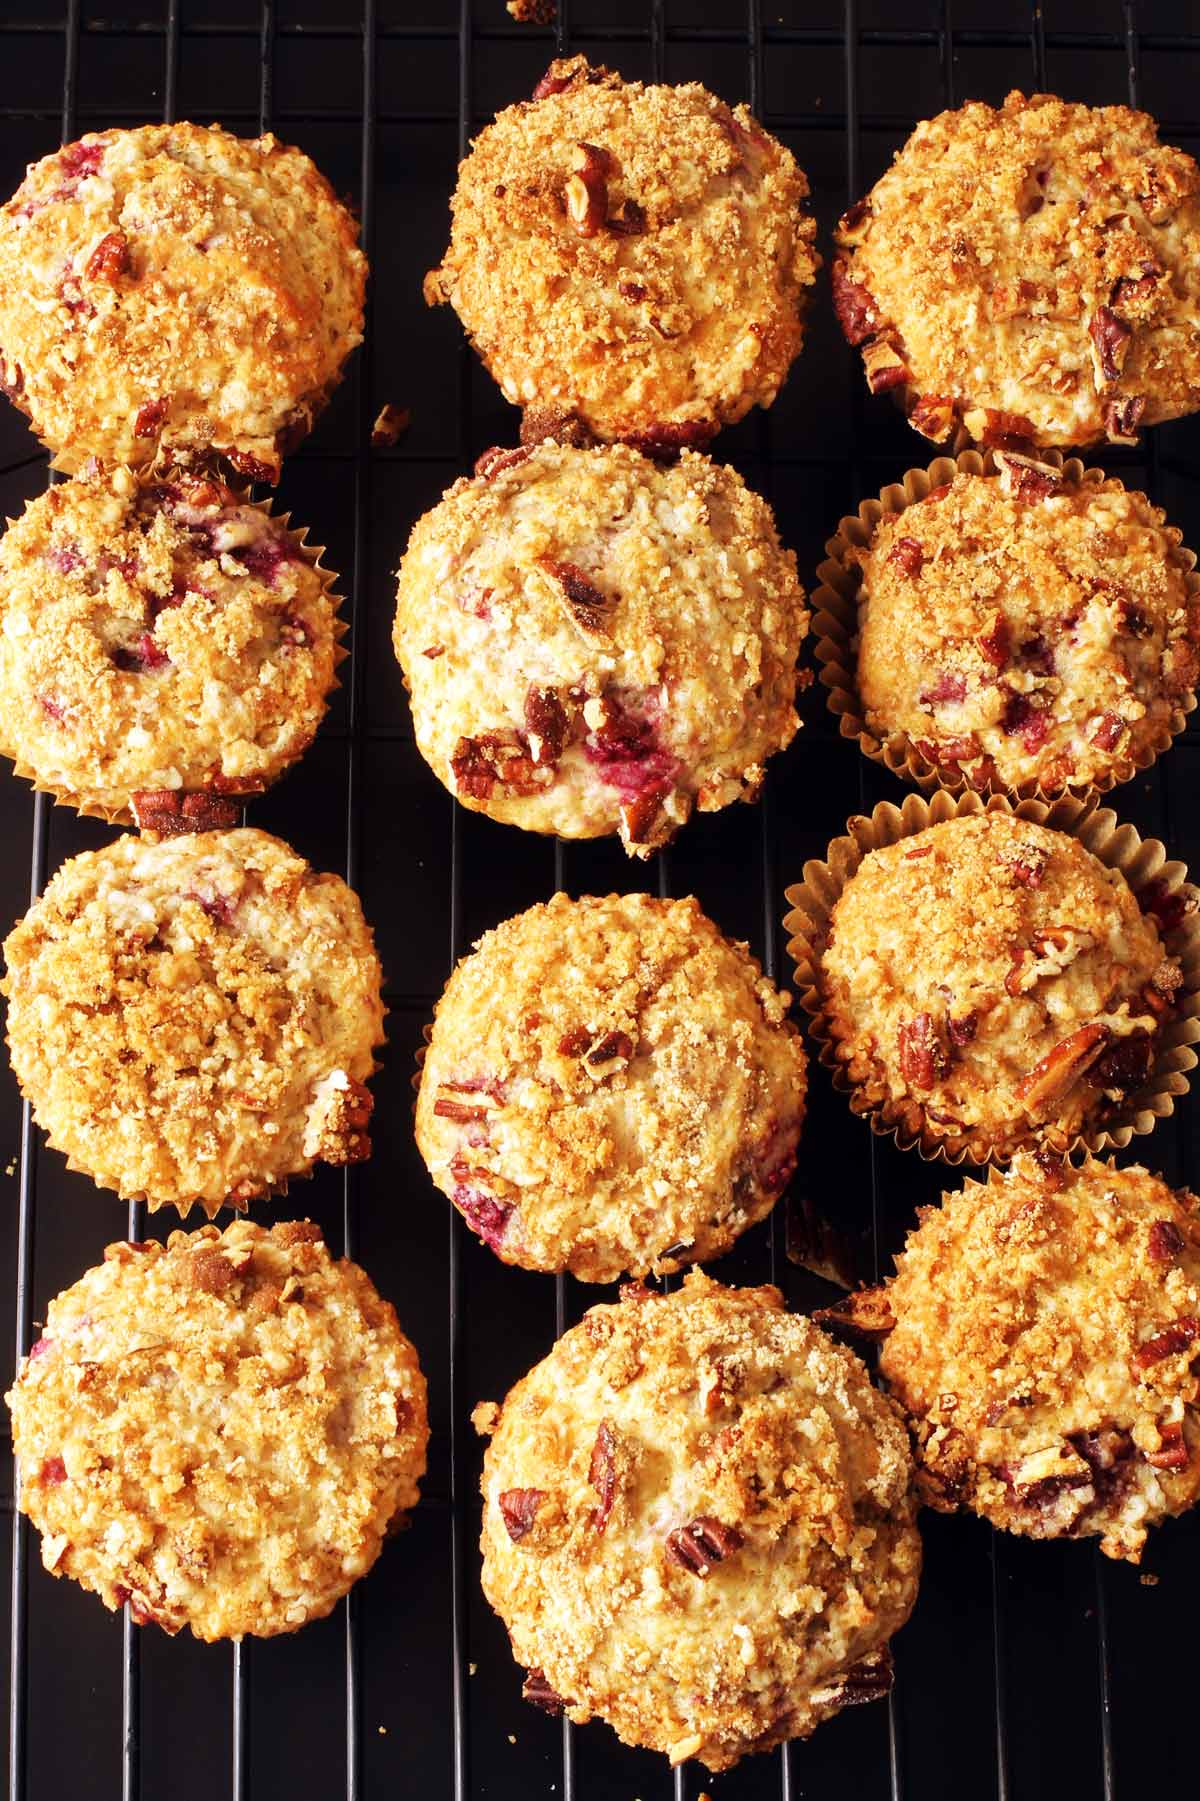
(611, 1086)
(176, 287)
(1042, 1334)
(1025, 630)
(594, 643)
(161, 636)
(633, 256)
(989, 984)
(194, 1021)
(1030, 272)
(220, 1430)
(698, 1523)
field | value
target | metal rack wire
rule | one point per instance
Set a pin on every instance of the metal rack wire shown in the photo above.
(752, 37)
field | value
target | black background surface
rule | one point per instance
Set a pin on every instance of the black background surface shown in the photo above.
(1028, 1670)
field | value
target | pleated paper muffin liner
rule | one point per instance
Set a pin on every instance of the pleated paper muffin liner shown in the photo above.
(312, 554)
(1142, 861)
(835, 605)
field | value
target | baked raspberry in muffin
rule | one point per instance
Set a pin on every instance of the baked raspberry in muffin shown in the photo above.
(1024, 630)
(195, 1020)
(1042, 1334)
(176, 287)
(219, 1431)
(698, 1523)
(611, 1085)
(634, 257)
(156, 640)
(989, 984)
(595, 643)
(1030, 272)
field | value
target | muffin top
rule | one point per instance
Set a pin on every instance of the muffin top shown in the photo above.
(158, 636)
(635, 256)
(174, 286)
(698, 1523)
(1031, 272)
(611, 1085)
(193, 1021)
(1044, 1332)
(1023, 630)
(595, 643)
(989, 983)
(220, 1430)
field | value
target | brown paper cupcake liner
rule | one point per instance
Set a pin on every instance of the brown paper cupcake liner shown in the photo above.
(312, 554)
(1140, 860)
(835, 633)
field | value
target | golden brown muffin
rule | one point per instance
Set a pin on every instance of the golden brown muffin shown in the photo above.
(594, 643)
(611, 1085)
(990, 984)
(1031, 272)
(632, 256)
(698, 1523)
(194, 1021)
(219, 1431)
(1042, 1334)
(1024, 630)
(176, 287)
(162, 636)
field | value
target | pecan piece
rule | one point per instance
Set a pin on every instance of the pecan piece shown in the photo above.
(1168, 1343)
(1107, 731)
(962, 1031)
(518, 1510)
(871, 1679)
(1172, 1452)
(1110, 336)
(1126, 1065)
(171, 813)
(664, 442)
(641, 821)
(933, 416)
(589, 607)
(995, 642)
(857, 313)
(1061, 1067)
(502, 758)
(537, 1690)
(602, 1473)
(545, 724)
(909, 554)
(885, 367)
(569, 72)
(990, 425)
(924, 1058)
(851, 228)
(541, 422)
(150, 417)
(1027, 868)
(702, 1543)
(1122, 416)
(587, 189)
(628, 220)
(1165, 1241)
(109, 259)
(867, 1314)
(1026, 479)
(391, 423)
(1053, 1168)
(614, 1047)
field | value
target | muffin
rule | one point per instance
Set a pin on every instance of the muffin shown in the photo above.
(174, 287)
(988, 984)
(698, 1523)
(595, 643)
(611, 1085)
(194, 1020)
(1041, 1333)
(219, 1431)
(159, 638)
(634, 258)
(1026, 630)
(1031, 273)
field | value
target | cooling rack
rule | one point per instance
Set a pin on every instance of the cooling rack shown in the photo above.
(1028, 1670)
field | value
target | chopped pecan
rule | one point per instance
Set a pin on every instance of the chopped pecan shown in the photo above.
(546, 725)
(391, 423)
(569, 72)
(1053, 1168)
(1027, 867)
(933, 416)
(642, 819)
(995, 642)
(1122, 416)
(885, 367)
(589, 606)
(851, 227)
(962, 1031)
(1107, 731)
(1061, 1067)
(924, 1058)
(574, 1042)
(1165, 1241)
(1172, 1452)
(702, 1543)
(479, 764)
(909, 554)
(627, 220)
(1043, 1474)
(150, 417)
(614, 1047)
(664, 442)
(1126, 1065)
(1168, 1343)
(109, 259)
(1026, 479)
(541, 422)
(869, 1680)
(867, 1314)
(171, 813)
(537, 1690)
(602, 1473)
(1110, 336)
(518, 1510)
(857, 313)
(991, 426)
(587, 188)
(211, 1272)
